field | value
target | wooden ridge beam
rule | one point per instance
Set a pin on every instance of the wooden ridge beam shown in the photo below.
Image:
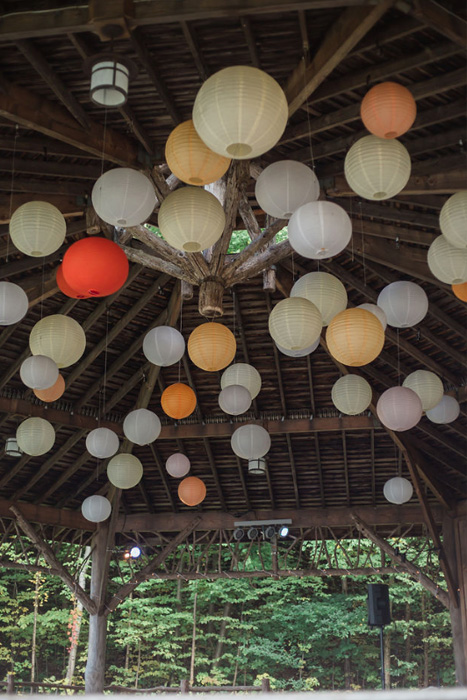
(442, 20)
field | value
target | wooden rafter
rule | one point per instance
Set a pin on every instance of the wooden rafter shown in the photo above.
(442, 20)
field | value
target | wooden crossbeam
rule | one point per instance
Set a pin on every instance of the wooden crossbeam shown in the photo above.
(435, 183)
(442, 20)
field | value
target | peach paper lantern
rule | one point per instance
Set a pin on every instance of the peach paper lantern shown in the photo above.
(388, 110)
(399, 408)
(460, 290)
(192, 491)
(355, 337)
(211, 346)
(190, 159)
(178, 400)
(53, 393)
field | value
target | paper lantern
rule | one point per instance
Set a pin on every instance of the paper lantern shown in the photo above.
(37, 228)
(65, 288)
(35, 436)
(446, 411)
(53, 393)
(460, 291)
(123, 197)
(96, 508)
(319, 230)
(244, 375)
(404, 303)
(240, 112)
(355, 337)
(235, 399)
(191, 219)
(14, 303)
(299, 353)
(95, 267)
(212, 346)
(398, 490)
(399, 408)
(447, 263)
(377, 311)
(388, 110)
(178, 465)
(163, 346)
(142, 426)
(38, 372)
(250, 441)
(377, 168)
(284, 186)
(325, 291)
(427, 385)
(124, 471)
(351, 394)
(192, 491)
(178, 400)
(190, 159)
(59, 337)
(102, 443)
(453, 219)
(295, 323)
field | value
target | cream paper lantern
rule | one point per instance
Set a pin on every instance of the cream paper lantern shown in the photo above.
(319, 230)
(250, 441)
(325, 291)
(14, 303)
(190, 159)
(235, 399)
(295, 323)
(284, 186)
(142, 426)
(448, 264)
(163, 346)
(399, 408)
(124, 471)
(404, 303)
(102, 443)
(427, 385)
(96, 508)
(376, 311)
(38, 372)
(178, 465)
(37, 229)
(377, 168)
(59, 337)
(398, 490)
(240, 112)
(191, 219)
(244, 375)
(35, 436)
(123, 197)
(299, 353)
(446, 411)
(351, 394)
(453, 219)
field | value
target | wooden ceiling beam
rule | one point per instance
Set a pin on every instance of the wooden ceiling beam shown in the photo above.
(49, 187)
(190, 38)
(69, 205)
(435, 183)
(250, 41)
(442, 20)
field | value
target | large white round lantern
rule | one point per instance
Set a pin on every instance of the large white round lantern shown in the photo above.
(102, 443)
(13, 303)
(96, 508)
(325, 291)
(319, 230)
(376, 311)
(178, 465)
(35, 436)
(164, 346)
(453, 219)
(37, 229)
(351, 394)
(242, 374)
(123, 197)
(399, 408)
(299, 353)
(295, 323)
(447, 263)
(427, 385)
(142, 426)
(398, 490)
(404, 303)
(38, 372)
(59, 337)
(377, 168)
(446, 411)
(191, 219)
(124, 471)
(250, 441)
(235, 399)
(284, 186)
(240, 112)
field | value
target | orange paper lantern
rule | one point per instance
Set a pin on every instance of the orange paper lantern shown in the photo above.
(192, 491)
(190, 159)
(212, 346)
(65, 288)
(355, 337)
(53, 392)
(95, 266)
(460, 290)
(388, 110)
(178, 400)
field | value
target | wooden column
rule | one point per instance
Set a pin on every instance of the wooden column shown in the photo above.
(211, 292)
(455, 548)
(95, 665)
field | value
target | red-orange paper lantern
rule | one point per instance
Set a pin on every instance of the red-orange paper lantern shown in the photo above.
(460, 290)
(388, 110)
(65, 288)
(95, 266)
(178, 400)
(53, 393)
(192, 491)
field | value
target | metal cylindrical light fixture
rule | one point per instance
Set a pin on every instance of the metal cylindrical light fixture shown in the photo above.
(110, 76)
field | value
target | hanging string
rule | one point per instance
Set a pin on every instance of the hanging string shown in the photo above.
(11, 190)
(351, 237)
(398, 360)
(181, 328)
(305, 61)
(103, 140)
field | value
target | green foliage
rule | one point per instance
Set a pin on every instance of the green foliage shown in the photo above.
(239, 240)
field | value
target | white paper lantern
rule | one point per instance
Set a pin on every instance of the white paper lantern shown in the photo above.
(299, 353)
(284, 186)
(250, 441)
(446, 411)
(242, 374)
(447, 263)
(142, 426)
(319, 230)
(124, 471)
(191, 219)
(295, 323)
(102, 443)
(13, 303)
(351, 394)
(399, 408)
(164, 346)
(240, 112)
(38, 372)
(404, 303)
(37, 229)
(235, 399)
(123, 197)
(35, 436)
(377, 168)
(453, 219)
(376, 311)
(325, 291)
(178, 465)
(96, 508)
(398, 490)
(59, 337)
(427, 385)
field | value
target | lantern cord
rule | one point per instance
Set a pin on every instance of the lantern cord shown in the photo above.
(104, 386)
(305, 61)
(398, 360)
(11, 190)
(351, 238)
(103, 140)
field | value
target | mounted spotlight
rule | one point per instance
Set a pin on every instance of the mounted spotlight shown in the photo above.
(239, 533)
(283, 531)
(110, 75)
(135, 552)
(252, 533)
(269, 532)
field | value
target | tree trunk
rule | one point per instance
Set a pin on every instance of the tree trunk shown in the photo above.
(34, 627)
(387, 660)
(95, 666)
(193, 642)
(138, 663)
(455, 547)
(221, 637)
(70, 672)
(408, 643)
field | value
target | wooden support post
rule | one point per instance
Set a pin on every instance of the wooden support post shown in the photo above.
(95, 665)
(265, 685)
(184, 685)
(211, 292)
(10, 684)
(455, 550)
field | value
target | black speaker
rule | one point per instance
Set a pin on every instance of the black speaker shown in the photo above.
(379, 613)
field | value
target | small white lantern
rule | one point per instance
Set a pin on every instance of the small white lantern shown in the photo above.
(124, 471)
(250, 441)
(284, 186)
(59, 337)
(376, 311)
(178, 465)
(38, 372)
(453, 219)
(399, 408)
(398, 490)
(447, 263)
(295, 323)
(235, 399)
(377, 168)
(404, 303)
(325, 291)
(110, 74)
(142, 426)
(102, 443)
(427, 385)
(123, 197)
(258, 466)
(446, 411)
(351, 394)
(14, 303)
(11, 448)
(37, 229)
(164, 346)
(35, 436)
(319, 230)
(299, 353)
(96, 508)
(244, 375)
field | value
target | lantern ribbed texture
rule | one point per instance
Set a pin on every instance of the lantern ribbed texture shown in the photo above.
(284, 186)
(388, 110)
(65, 288)
(192, 491)
(399, 408)
(250, 441)
(178, 465)
(191, 219)
(319, 230)
(38, 372)
(453, 219)
(377, 168)
(460, 291)
(427, 385)
(178, 400)
(377, 311)
(404, 303)
(102, 443)
(37, 229)
(355, 337)
(35, 436)
(163, 346)
(243, 374)
(190, 159)
(123, 197)
(95, 267)
(446, 411)
(13, 303)
(240, 112)
(325, 291)
(59, 337)
(398, 490)
(53, 393)
(351, 394)
(295, 323)
(447, 263)
(235, 399)
(124, 471)
(142, 426)
(96, 508)
(299, 353)
(212, 346)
